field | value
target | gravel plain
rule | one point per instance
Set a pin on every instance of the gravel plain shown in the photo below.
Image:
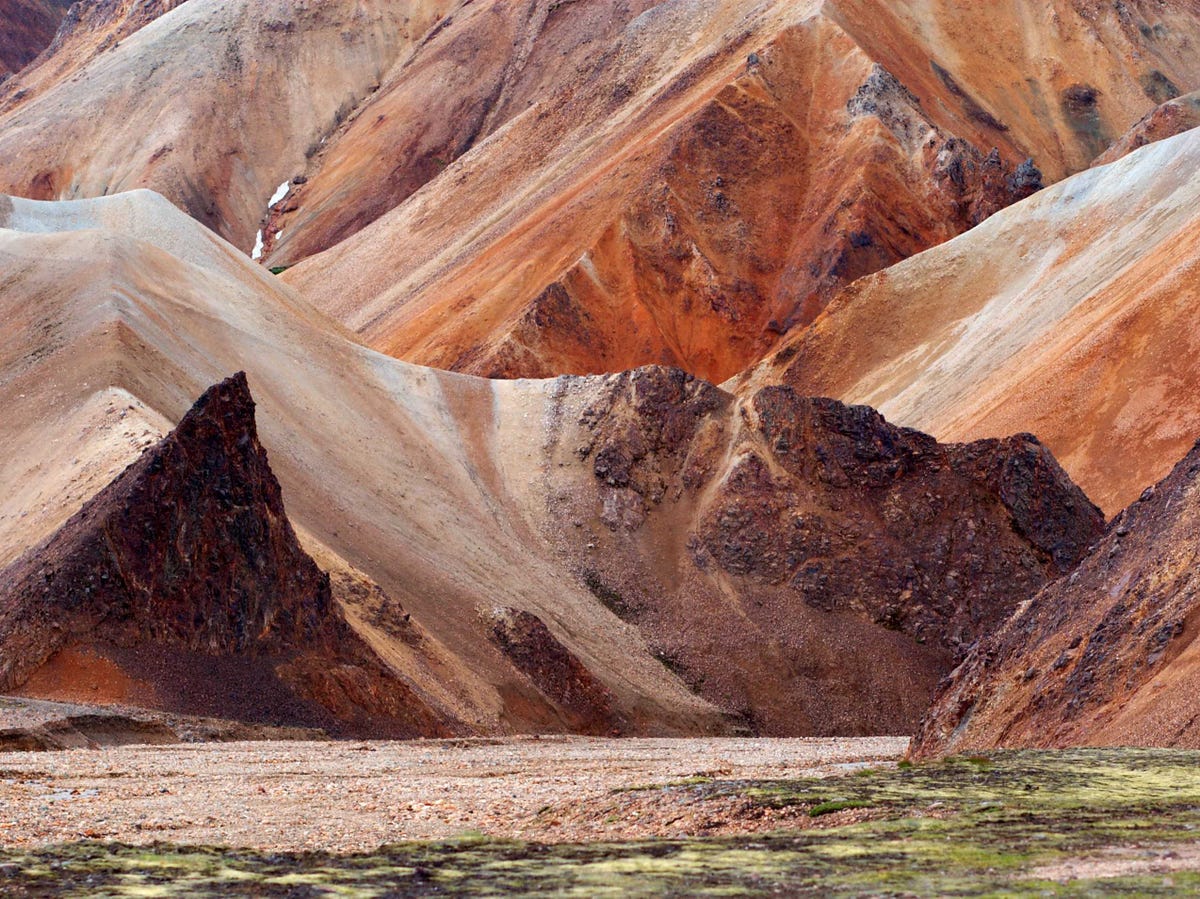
(349, 797)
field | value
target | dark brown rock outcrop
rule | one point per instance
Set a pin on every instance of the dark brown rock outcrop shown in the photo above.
(1105, 656)
(26, 29)
(585, 703)
(803, 564)
(184, 577)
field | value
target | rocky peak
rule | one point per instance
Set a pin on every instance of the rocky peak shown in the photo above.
(187, 562)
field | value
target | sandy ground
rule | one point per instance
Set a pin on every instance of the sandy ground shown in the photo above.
(357, 796)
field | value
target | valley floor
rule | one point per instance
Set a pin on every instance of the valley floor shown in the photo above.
(567, 816)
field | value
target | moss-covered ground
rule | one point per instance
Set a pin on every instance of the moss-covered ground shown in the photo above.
(965, 827)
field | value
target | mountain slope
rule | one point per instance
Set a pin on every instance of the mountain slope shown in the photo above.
(647, 521)
(708, 176)
(1071, 315)
(230, 98)
(1105, 657)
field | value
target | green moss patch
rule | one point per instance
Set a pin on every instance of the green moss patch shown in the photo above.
(953, 828)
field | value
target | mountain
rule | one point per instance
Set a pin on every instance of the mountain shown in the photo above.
(29, 27)
(182, 585)
(525, 188)
(1104, 657)
(1069, 316)
(701, 562)
(693, 184)
(232, 97)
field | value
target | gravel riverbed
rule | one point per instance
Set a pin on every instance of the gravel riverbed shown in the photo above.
(350, 797)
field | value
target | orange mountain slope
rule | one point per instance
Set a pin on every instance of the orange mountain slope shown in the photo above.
(704, 178)
(1072, 315)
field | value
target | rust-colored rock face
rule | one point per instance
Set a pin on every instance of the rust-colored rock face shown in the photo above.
(692, 181)
(26, 29)
(858, 559)
(1106, 656)
(185, 574)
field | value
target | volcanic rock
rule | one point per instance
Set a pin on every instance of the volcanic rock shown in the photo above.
(834, 539)
(1106, 656)
(185, 574)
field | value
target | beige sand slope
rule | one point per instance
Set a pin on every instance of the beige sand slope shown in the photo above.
(1074, 315)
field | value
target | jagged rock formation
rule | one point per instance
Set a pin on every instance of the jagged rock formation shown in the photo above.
(1176, 116)
(26, 28)
(1106, 656)
(1069, 316)
(185, 575)
(834, 539)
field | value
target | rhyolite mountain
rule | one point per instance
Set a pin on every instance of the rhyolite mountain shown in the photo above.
(531, 188)
(183, 584)
(641, 553)
(1106, 656)
(977, 218)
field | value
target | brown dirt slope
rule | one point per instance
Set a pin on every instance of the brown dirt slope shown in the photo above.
(693, 181)
(26, 29)
(1107, 656)
(1072, 316)
(185, 575)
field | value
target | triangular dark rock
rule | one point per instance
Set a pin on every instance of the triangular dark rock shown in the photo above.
(186, 575)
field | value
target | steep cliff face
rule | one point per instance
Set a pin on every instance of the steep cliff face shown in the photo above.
(1106, 656)
(833, 539)
(184, 574)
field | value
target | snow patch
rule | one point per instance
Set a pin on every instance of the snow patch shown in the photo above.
(280, 192)
(258, 246)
